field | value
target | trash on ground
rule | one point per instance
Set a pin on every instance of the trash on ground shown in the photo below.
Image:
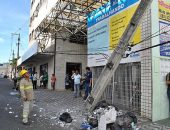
(10, 112)
(54, 117)
(35, 115)
(16, 116)
(66, 117)
(14, 93)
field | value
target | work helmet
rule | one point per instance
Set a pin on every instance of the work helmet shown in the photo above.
(23, 72)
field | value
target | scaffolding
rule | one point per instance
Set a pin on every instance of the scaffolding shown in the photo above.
(67, 20)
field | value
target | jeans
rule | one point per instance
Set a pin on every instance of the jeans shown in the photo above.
(76, 90)
(35, 84)
(87, 90)
(53, 85)
(168, 93)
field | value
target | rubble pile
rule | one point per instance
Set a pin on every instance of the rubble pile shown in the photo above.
(108, 117)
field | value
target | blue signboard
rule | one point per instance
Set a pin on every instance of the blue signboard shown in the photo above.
(108, 10)
(164, 37)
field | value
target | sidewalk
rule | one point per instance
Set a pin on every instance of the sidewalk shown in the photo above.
(51, 104)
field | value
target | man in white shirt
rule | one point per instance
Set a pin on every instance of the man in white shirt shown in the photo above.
(77, 78)
(35, 80)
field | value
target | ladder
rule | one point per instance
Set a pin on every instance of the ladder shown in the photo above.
(116, 56)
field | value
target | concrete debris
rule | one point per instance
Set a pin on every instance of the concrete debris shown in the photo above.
(14, 93)
(52, 118)
(7, 104)
(35, 115)
(10, 108)
(16, 116)
(10, 112)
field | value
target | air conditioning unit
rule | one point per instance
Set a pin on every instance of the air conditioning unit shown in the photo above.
(36, 13)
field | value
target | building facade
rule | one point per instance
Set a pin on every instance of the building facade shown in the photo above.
(56, 55)
(139, 82)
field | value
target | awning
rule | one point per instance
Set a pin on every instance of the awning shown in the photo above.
(32, 55)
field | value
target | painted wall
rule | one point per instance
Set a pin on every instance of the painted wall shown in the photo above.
(160, 67)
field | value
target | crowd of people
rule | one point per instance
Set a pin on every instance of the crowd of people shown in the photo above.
(77, 83)
(81, 85)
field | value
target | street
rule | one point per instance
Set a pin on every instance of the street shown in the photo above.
(45, 112)
(47, 108)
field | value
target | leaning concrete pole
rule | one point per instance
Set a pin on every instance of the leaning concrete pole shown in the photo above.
(116, 56)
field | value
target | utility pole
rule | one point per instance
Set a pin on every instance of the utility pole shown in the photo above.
(13, 63)
(116, 56)
(18, 43)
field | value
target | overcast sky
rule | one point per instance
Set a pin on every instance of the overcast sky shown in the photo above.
(14, 14)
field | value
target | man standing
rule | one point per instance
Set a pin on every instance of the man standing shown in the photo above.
(53, 80)
(168, 87)
(35, 80)
(27, 95)
(77, 78)
(88, 82)
(72, 80)
(45, 79)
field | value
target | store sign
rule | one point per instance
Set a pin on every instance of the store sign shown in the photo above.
(164, 10)
(164, 37)
(105, 28)
(164, 16)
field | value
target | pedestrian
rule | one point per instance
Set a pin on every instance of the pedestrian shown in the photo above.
(72, 80)
(41, 81)
(168, 88)
(53, 80)
(45, 80)
(34, 80)
(88, 82)
(15, 82)
(31, 77)
(27, 95)
(67, 82)
(77, 79)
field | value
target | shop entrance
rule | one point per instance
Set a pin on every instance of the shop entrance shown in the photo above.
(73, 66)
(43, 68)
(69, 68)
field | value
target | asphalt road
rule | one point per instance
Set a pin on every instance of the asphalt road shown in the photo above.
(11, 111)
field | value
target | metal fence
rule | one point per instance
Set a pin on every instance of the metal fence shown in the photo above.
(126, 85)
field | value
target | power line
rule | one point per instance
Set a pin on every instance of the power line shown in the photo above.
(108, 47)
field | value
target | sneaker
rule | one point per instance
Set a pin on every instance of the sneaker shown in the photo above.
(25, 123)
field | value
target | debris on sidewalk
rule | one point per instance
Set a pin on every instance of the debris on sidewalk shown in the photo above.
(66, 117)
(107, 116)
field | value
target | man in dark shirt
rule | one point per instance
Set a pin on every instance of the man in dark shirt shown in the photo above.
(168, 87)
(88, 82)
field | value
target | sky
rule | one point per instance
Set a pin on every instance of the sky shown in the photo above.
(14, 18)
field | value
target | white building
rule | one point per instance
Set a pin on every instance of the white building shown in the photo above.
(5, 69)
(43, 54)
(139, 82)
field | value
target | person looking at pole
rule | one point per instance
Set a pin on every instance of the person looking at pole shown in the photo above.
(35, 80)
(168, 88)
(53, 80)
(88, 82)
(27, 95)
(72, 80)
(45, 79)
(77, 78)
